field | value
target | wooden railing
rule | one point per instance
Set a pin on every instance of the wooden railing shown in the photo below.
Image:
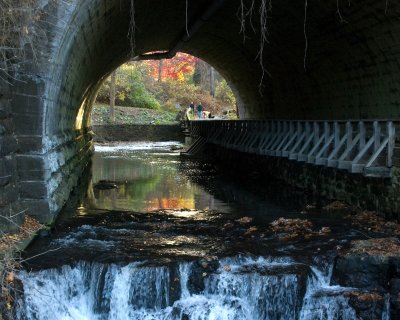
(357, 146)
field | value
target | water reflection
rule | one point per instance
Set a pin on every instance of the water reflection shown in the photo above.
(145, 181)
(163, 209)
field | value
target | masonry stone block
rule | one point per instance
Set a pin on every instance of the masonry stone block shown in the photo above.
(33, 86)
(4, 113)
(28, 124)
(5, 180)
(2, 130)
(30, 144)
(26, 104)
(8, 194)
(33, 189)
(30, 162)
(8, 172)
(4, 108)
(8, 145)
(34, 175)
(39, 209)
(11, 217)
(137, 133)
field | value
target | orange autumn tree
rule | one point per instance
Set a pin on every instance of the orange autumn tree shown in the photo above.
(176, 68)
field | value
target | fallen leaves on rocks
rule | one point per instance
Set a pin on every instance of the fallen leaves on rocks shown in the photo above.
(380, 247)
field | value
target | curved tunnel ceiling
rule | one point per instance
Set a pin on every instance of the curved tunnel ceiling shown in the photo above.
(349, 70)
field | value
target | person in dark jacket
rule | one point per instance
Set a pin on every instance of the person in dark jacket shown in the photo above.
(200, 111)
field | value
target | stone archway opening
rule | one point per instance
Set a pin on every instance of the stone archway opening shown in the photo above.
(160, 92)
(351, 71)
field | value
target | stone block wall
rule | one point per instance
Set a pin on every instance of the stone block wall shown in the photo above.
(11, 210)
(380, 194)
(46, 179)
(104, 133)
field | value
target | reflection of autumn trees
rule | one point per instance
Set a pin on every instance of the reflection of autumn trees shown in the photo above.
(171, 203)
(142, 185)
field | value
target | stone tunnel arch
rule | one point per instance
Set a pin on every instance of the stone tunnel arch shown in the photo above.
(350, 70)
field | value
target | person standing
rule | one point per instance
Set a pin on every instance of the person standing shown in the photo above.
(191, 110)
(199, 111)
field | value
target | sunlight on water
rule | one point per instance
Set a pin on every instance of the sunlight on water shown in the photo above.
(101, 148)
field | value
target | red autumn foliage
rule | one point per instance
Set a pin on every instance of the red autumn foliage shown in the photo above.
(176, 68)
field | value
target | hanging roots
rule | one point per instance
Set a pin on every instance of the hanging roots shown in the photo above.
(243, 14)
(339, 13)
(186, 17)
(246, 14)
(132, 29)
(305, 35)
(265, 9)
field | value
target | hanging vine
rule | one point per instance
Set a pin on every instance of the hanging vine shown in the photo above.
(339, 13)
(245, 15)
(132, 29)
(186, 18)
(305, 36)
(265, 10)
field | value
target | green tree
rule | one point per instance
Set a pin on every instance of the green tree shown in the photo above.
(139, 96)
(130, 89)
(223, 92)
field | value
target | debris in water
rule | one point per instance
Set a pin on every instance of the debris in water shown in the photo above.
(291, 225)
(250, 231)
(371, 221)
(339, 207)
(325, 230)
(245, 220)
(227, 268)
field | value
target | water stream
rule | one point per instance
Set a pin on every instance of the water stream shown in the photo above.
(254, 288)
(178, 240)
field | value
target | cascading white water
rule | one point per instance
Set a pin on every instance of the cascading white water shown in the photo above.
(323, 301)
(184, 270)
(260, 296)
(241, 288)
(94, 291)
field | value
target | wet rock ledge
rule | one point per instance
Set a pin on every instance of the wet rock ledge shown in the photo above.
(372, 268)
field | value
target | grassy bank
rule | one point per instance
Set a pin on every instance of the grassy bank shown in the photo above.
(129, 115)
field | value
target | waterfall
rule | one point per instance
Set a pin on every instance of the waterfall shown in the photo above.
(184, 270)
(94, 291)
(241, 288)
(323, 301)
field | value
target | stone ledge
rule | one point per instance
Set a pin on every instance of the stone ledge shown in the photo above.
(329, 183)
(105, 133)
